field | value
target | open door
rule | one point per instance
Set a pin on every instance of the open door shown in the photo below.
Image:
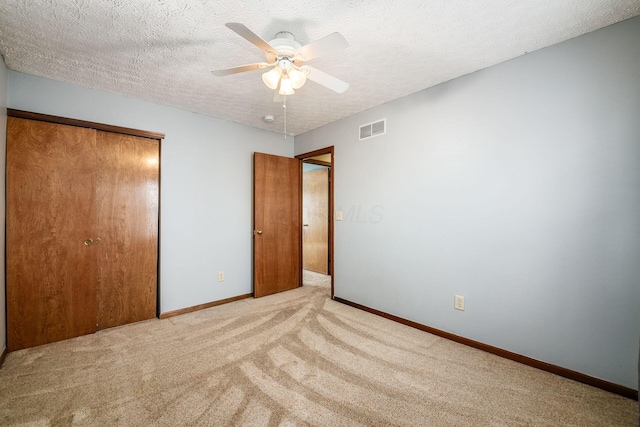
(277, 224)
(315, 218)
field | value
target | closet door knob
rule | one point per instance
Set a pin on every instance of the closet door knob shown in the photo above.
(98, 240)
(88, 242)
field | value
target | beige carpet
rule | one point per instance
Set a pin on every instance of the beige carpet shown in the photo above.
(295, 358)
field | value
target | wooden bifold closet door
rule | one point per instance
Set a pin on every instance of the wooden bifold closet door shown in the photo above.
(82, 231)
(127, 224)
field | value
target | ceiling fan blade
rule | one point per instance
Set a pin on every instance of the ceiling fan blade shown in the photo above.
(324, 46)
(250, 36)
(241, 69)
(326, 80)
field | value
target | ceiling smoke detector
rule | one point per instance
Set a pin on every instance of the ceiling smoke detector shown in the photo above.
(269, 118)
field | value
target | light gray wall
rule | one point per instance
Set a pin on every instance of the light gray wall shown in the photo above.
(517, 187)
(206, 184)
(3, 144)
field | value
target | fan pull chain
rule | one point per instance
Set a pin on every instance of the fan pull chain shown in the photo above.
(284, 105)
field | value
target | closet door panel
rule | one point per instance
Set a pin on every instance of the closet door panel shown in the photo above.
(51, 293)
(127, 225)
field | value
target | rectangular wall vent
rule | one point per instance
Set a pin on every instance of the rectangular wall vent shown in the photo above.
(372, 129)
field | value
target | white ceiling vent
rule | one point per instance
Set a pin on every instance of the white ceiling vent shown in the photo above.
(373, 129)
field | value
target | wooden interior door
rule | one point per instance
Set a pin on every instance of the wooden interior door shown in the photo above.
(127, 226)
(315, 220)
(51, 293)
(276, 219)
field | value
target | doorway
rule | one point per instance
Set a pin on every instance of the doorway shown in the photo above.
(317, 170)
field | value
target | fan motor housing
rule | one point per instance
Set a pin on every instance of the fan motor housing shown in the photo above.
(285, 44)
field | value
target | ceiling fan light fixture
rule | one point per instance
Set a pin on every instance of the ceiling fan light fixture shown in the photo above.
(286, 86)
(272, 77)
(298, 78)
(287, 57)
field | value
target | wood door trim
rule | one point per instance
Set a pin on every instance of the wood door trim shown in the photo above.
(318, 152)
(203, 306)
(83, 124)
(301, 157)
(525, 360)
(318, 162)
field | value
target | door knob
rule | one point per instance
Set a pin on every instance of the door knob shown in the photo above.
(88, 242)
(257, 231)
(98, 240)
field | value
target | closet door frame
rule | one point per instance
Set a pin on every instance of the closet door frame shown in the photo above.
(113, 129)
(84, 124)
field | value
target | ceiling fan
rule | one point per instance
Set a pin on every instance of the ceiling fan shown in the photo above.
(286, 58)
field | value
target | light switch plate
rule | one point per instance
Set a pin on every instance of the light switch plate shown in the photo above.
(338, 215)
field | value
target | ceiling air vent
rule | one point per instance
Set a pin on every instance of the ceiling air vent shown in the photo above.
(373, 129)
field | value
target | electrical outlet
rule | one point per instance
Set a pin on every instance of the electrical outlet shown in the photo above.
(458, 302)
(339, 215)
(220, 276)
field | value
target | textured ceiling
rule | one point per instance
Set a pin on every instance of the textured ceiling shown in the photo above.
(163, 50)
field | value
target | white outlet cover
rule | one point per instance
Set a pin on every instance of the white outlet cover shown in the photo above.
(458, 302)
